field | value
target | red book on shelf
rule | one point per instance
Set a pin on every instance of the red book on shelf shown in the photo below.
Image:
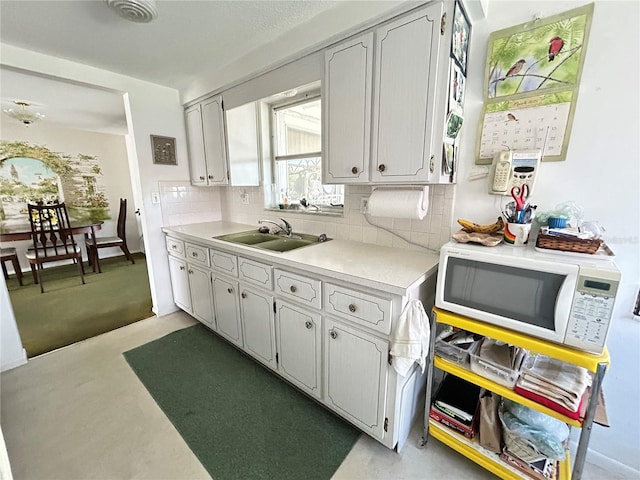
(447, 421)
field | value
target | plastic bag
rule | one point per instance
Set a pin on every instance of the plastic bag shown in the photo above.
(545, 433)
(568, 210)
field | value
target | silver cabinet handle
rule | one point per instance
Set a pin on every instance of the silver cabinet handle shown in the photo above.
(308, 324)
(230, 290)
(190, 272)
(201, 177)
(181, 267)
(173, 247)
(243, 294)
(333, 334)
(352, 308)
(382, 167)
(194, 254)
(293, 288)
(354, 170)
(210, 177)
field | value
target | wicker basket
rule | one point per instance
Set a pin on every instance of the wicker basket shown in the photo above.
(568, 244)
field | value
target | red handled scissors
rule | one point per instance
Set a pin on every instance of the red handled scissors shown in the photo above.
(520, 195)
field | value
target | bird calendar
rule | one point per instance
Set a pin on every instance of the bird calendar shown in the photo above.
(532, 77)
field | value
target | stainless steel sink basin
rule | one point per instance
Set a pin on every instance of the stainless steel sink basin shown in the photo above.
(275, 243)
(248, 238)
(284, 244)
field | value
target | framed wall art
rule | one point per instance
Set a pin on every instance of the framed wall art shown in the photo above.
(460, 37)
(163, 150)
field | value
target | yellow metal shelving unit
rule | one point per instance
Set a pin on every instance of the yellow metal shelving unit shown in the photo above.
(594, 363)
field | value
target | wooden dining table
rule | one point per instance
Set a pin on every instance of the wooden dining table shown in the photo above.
(19, 231)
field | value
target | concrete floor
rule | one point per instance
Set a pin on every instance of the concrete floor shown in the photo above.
(81, 413)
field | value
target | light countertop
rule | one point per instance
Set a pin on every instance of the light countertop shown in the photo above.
(385, 268)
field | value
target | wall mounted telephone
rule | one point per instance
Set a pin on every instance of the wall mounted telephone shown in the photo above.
(513, 168)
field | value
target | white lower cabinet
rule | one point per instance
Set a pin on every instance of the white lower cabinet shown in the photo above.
(329, 339)
(258, 326)
(180, 283)
(299, 345)
(227, 308)
(355, 365)
(201, 296)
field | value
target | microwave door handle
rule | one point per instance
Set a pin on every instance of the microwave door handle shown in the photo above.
(564, 300)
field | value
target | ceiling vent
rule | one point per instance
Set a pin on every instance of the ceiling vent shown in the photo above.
(140, 11)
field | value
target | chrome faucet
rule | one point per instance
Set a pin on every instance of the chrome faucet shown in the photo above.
(285, 227)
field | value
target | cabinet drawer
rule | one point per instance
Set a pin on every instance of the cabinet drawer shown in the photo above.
(367, 310)
(224, 262)
(175, 247)
(255, 272)
(303, 289)
(197, 254)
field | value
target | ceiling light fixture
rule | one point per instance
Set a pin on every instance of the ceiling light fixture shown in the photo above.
(139, 11)
(22, 114)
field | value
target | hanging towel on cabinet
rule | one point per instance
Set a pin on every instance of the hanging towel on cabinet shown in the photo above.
(410, 338)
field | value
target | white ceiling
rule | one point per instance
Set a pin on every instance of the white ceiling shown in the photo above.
(180, 46)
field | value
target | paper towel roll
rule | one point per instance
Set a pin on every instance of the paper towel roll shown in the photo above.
(399, 203)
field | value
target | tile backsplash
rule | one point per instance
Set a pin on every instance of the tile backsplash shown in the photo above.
(183, 203)
(430, 232)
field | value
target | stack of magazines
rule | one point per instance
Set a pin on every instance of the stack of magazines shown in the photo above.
(455, 406)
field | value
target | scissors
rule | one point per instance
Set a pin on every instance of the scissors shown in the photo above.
(520, 195)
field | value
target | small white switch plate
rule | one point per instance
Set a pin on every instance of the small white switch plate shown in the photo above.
(364, 205)
(245, 198)
(155, 197)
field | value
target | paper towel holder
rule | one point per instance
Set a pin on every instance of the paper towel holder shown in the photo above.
(423, 188)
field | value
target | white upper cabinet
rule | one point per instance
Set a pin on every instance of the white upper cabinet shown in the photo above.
(207, 143)
(386, 99)
(348, 73)
(405, 97)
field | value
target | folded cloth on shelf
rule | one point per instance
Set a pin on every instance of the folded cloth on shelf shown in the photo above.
(561, 382)
(410, 338)
(547, 402)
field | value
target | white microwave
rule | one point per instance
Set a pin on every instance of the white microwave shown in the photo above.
(564, 298)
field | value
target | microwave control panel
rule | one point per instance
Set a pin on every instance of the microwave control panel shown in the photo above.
(591, 313)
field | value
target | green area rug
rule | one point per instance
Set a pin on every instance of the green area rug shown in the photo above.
(69, 311)
(238, 418)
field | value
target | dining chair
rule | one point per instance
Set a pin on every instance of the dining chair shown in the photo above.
(10, 254)
(52, 239)
(96, 243)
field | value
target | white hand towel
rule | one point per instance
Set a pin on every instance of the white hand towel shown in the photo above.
(410, 338)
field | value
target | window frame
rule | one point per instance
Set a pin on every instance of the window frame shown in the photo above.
(274, 107)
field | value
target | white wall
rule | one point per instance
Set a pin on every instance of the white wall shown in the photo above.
(601, 174)
(112, 159)
(11, 352)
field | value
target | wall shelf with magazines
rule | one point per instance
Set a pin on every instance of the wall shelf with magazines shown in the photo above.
(464, 439)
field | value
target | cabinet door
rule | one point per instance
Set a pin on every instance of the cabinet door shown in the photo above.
(404, 98)
(227, 308)
(356, 375)
(346, 110)
(180, 283)
(258, 327)
(195, 145)
(215, 145)
(243, 145)
(299, 347)
(201, 297)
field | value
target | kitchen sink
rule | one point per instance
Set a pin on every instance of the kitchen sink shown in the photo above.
(275, 243)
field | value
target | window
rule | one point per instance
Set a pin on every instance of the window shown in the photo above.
(297, 145)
